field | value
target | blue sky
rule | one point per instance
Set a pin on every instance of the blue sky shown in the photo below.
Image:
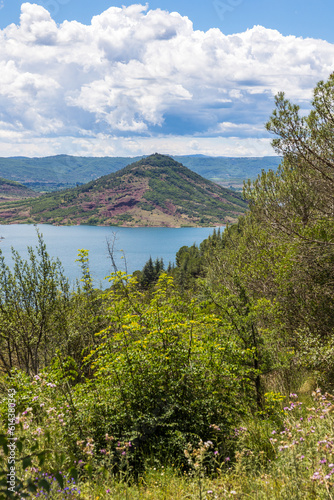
(306, 18)
(174, 77)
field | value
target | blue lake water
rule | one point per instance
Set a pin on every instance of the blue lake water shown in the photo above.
(136, 244)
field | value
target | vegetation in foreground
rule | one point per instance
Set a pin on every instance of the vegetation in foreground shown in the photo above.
(213, 379)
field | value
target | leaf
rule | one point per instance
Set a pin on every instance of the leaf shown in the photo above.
(5, 495)
(60, 479)
(34, 447)
(89, 469)
(43, 483)
(41, 457)
(26, 462)
(31, 487)
(73, 473)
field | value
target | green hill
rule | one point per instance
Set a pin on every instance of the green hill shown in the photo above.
(58, 172)
(154, 191)
(11, 190)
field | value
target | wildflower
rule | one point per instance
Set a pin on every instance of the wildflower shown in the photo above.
(227, 459)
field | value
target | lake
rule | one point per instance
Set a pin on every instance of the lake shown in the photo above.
(135, 245)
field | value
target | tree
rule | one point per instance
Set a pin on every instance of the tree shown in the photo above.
(299, 198)
(34, 300)
(150, 272)
(165, 370)
(297, 203)
(272, 275)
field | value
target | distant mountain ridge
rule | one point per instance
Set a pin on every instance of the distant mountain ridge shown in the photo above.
(62, 171)
(154, 191)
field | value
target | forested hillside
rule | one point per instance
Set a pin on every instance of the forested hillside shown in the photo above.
(154, 191)
(63, 171)
(11, 191)
(212, 378)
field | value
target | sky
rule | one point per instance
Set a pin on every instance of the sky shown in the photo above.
(115, 78)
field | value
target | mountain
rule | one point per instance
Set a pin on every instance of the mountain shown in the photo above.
(62, 171)
(154, 191)
(228, 171)
(11, 190)
(52, 173)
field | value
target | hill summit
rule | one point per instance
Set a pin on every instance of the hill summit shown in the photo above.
(154, 191)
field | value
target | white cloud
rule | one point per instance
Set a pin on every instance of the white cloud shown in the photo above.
(134, 75)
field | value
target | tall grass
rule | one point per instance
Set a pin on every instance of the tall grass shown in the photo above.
(290, 459)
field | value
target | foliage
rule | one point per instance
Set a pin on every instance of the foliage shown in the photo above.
(11, 465)
(193, 371)
(294, 206)
(191, 261)
(34, 299)
(150, 272)
(164, 371)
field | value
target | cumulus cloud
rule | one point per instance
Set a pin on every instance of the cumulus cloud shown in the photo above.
(134, 75)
